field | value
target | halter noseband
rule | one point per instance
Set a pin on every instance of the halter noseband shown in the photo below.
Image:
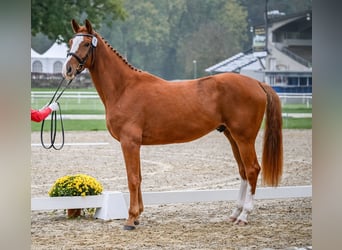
(81, 61)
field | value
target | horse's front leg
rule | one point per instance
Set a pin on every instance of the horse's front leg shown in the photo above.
(131, 152)
(140, 199)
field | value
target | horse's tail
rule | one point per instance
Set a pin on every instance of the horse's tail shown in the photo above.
(272, 156)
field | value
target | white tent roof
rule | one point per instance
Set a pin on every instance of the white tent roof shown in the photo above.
(35, 54)
(56, 51)
(51, 60)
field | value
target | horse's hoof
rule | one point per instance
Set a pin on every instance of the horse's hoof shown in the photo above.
(136, 222)
(241, 223)
(232, 219)
(128, 227)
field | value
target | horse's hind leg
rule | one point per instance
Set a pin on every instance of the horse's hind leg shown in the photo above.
(243, 186)
(252, 169)
(245, 155)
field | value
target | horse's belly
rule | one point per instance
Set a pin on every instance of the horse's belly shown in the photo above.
(174, 134)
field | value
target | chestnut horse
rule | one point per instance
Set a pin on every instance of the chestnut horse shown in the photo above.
(143, 109)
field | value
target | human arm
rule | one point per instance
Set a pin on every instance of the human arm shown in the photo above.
(39, 115)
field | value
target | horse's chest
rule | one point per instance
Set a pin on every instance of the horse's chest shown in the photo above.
(112, 122)
(116, 123)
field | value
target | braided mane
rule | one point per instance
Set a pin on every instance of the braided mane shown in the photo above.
(120, 56)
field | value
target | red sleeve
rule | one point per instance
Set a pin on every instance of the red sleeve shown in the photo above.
(39, 115)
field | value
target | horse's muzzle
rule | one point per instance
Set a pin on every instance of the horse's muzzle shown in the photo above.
(67, 72)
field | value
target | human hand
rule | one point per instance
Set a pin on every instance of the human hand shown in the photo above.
(54, 106)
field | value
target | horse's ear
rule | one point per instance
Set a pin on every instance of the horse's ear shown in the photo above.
(75, 25)
(88, 26)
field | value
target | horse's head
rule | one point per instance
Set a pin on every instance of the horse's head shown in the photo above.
(81, 54)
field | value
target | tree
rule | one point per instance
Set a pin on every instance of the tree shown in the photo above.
(140, 36)
(256, 8)
(52, 17)
(216, 36)
(163, 37)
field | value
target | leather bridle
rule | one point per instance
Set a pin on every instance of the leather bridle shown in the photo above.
(79, 69)
(82, 61)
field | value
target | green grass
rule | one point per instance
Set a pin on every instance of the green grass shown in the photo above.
(72, 105)
(297, 123)
(72, 125)
(296, 108)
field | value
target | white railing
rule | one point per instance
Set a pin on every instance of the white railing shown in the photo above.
(91, 100)
(296, 98)
(94, 94)
(48, 95)
(114, 205)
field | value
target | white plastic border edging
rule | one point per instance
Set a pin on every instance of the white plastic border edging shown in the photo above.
(114, 205)
(109, 205)
(190, 196)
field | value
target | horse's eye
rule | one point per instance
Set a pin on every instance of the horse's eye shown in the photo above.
(87, 44)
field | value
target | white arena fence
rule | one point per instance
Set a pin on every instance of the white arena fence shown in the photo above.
(90, 100)
(112, 205)
(296, 98)
(76, 100)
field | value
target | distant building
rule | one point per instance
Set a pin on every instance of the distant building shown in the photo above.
(51, 61)
(46, 68)
(246, 63)
(281, 53)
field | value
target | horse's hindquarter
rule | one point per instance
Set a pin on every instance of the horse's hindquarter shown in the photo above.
(242, 102)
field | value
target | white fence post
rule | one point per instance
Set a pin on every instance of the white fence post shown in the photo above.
(114, 206)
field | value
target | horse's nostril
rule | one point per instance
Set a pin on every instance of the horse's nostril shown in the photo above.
(69, 69)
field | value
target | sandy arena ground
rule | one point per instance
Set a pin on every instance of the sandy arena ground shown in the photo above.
(206, 163)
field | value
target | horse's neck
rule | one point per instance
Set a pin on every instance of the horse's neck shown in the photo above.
(110, 72)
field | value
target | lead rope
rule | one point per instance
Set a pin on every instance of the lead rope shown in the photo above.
(54, 123)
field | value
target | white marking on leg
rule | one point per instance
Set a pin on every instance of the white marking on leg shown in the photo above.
(75, 45)
(248, 205)
(241, 200)
(249, 202)
(242, 193)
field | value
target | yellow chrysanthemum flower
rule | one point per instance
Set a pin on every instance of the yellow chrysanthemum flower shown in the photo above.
(76, 185)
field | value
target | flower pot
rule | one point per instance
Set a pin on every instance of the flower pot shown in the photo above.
(74, 212)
